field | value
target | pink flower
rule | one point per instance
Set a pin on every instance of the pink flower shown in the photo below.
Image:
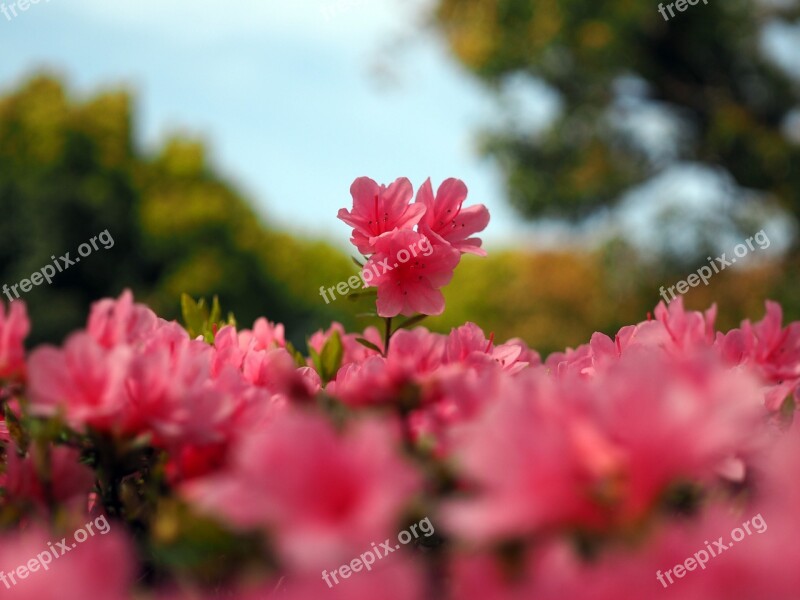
(412, 286)
(14, 329)
(231, 349)
(170, 393)
(84, 379)
(101, 567)
(573, 360)
(115, 322)
(704, 413)
(590, 451)
(188, 461)
(774, 351)
(455, 395)
(70, 482)
(446, 221)
(468, 344)
(540, 573)
(363, 384)
(674, 332)
(531, 465)
(414, 354)
(276, 371)
(264, 336)
(398, 578)
(687, 329)
(323, 496)
(354, 351)
(378, 209)
(262, 361)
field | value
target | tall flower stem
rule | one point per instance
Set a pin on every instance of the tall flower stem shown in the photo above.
(387, 335)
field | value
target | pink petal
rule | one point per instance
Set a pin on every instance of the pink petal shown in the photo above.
(470, 220)
(411, 216)
(363, 190)
(390, 301)
(398, 194)
(425, 197)
(425, 300)
(449, 198)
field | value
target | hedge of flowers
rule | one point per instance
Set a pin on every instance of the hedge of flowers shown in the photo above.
(228, 464)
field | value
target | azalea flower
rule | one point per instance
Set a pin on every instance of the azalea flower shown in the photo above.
(445, 219)
(101, 567)
(14, 328)
(84, 379)
(378, 209)
(323, 496)
(413, 286)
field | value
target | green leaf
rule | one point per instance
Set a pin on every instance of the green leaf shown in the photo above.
(331, 356)
(200, 321)
(194, 315)
(315, 359)
(359, 264)
(299, 359)
(216, 311)
(368, 344)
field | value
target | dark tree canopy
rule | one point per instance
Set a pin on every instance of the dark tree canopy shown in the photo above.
(703, 72)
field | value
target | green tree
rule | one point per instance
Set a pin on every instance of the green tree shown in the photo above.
(702, 74)
(71, 169)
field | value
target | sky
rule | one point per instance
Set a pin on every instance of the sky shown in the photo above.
(297, 99)
(294, 99)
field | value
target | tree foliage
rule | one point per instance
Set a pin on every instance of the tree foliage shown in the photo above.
(703, 75)
(70, 169)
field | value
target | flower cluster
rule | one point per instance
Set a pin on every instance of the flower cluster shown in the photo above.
(383, 224)
(231, 465)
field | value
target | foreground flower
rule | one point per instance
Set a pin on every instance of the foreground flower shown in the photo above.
(246, 469)
(84, 379)
(14, 328)
(322, 496)
(771, 349)
(68, 483)
(100, 568)
(121, 321)
(582, 452)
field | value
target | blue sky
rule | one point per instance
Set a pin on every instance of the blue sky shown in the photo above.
(295, 99)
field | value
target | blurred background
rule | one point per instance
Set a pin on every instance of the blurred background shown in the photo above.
(616, 151)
